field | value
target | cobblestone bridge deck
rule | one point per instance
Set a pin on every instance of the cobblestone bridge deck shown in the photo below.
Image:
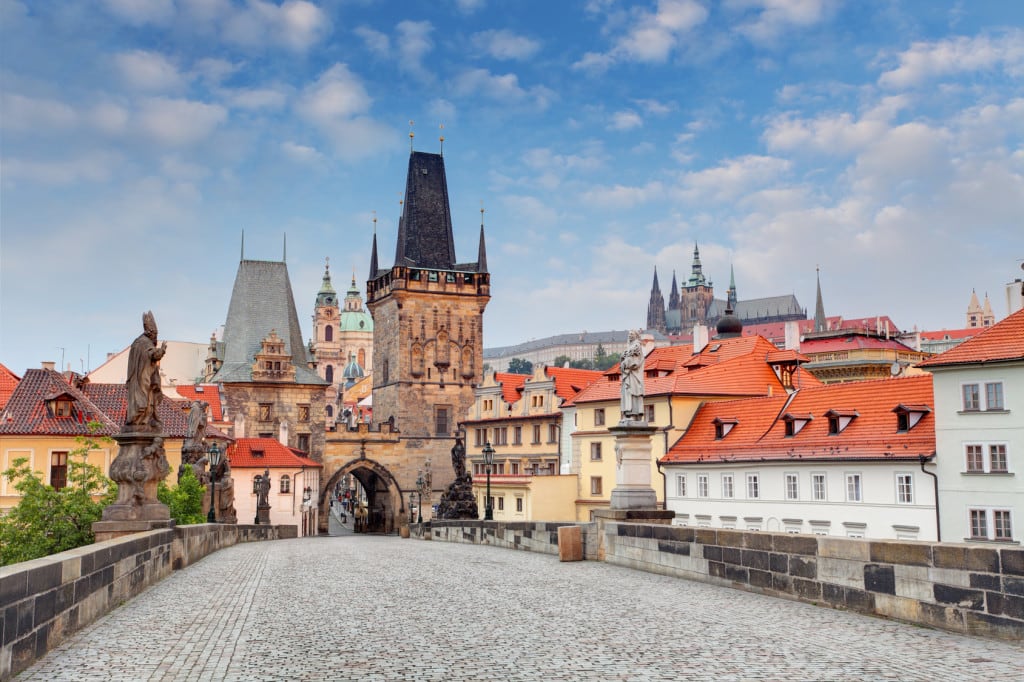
(381, 608)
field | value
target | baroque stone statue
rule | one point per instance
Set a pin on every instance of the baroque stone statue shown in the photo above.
(143, 383)
(632, 370)
(458, 501)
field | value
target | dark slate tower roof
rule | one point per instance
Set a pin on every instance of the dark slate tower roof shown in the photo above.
(425, 229)
(261, 301)
(820, 324)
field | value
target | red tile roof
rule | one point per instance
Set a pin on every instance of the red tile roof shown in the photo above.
(208, 392)
(948, 334)
(112, 399)
(8, 382)
(759, 433)
(27, 413)
(569, 381)
(242, 455)
(511, 386)
(1002, 342)
(851, 342)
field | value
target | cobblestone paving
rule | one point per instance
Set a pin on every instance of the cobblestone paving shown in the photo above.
(361, 607)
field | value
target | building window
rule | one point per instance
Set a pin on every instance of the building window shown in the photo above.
(552, 433)
(979, 527)
(501, 503)
(513, 468)
(727, 486)
(991, 524)
(58, 469)
(519, 505)
(649, 413)
(286, 483)
(790, 430)
(517, 435)
(818, 489)
(303, 442)
(488, 405)
(330, 411)
(441, 427)
(997, 458)
(972, 399)
(599, 417)
(62, 408)
(595, 485)
(853, 488)
(501, 436)
(1001, 523)
(536, 433)
(702, 485)
(266, 411)
(680, 485)
(975, 459)
(994, 396)
(303, 413)
(480, 436)
(792, 487)
(905, 488)
(328, 333)
(329, 374)
(902, 422)
(753, 487)
(595, 452)
(833, 426)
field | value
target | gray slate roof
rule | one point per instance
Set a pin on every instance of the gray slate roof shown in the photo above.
(425, 229)
(569, 339)
(755, 308)
(261, 301)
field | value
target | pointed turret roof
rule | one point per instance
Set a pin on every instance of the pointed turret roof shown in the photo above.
(425, 229)
(373, 253)
(820, 323)
(327, 296)
(656, 306)
(261, 302)
(696, 270)
(481, 258)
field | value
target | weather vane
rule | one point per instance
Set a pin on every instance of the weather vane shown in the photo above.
(411, 134)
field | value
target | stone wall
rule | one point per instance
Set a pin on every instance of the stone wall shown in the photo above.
(972, 589)
(45, 600)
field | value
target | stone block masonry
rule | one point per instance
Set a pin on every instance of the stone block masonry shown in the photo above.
(975, 590)
(45, 600)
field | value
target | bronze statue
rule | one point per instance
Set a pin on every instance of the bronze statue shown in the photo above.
(459, 458)
(144, 394)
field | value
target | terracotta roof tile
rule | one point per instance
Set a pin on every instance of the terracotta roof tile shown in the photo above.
(944, 334)
(112, 399)
(26, 412)
(8, 382)
(760, 431)
(208, 392)
(853, 341)
(570, 381)
(243, 455)
(1002, 342)
(511, 385)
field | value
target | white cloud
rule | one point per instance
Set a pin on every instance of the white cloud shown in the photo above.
(469, 6)
(622, 196)
(505, 44)
(295, 24)
(32, 114)
(775, 17)
(257, 98)
(141, 12)
(376, 42)
(109, 118)
(833, 134)
(734, 177)
(654, 35)
(215, 71)
(625, 120)
(653, 107)
(925, 61)
(149, 71)
(301, 153)
(594, 62)
(179, 121)
(443, 110)
(413, 44)
(503, 88)
(98, 167)
(531, 212)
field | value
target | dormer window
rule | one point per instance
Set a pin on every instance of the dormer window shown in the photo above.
(838, 420)
(795, 422)
(62, 408)
(723, 425)
(907, 416)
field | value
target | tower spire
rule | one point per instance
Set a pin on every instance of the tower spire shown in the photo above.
(656, 307)
(481, 258)
(819, 306)
(373, 251)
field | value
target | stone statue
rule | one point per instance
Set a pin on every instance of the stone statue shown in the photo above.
(225, 486)
(193, 448)
(632, 369)
(459, 458)
(263, 497)
(144, 394)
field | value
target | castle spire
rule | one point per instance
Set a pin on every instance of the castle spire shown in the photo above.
(731, 299)
(820, 323)
(656, 307)
(696, 270)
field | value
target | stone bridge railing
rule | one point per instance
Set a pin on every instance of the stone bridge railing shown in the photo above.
(44, 600)
(971, 589)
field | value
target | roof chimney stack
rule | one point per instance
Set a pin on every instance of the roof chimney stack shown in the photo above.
(50, 365)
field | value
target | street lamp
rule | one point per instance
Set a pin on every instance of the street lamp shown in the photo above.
(412, 514)
(214, 455)
(488, 462)
(419, 507)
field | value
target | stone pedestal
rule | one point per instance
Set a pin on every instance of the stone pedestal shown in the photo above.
(139, 467)
(633, 466)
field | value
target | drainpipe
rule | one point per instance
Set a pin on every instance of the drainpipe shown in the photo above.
(664, 485)
(935, 482)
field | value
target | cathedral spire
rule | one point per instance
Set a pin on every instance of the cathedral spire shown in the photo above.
(481, 258)
(820, 324)
(696, 270)
(656, 307)
(731, 299)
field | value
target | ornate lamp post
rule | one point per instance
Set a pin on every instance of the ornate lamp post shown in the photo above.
(214, 455)
(419, 507)
(412, 514)
(488, 462)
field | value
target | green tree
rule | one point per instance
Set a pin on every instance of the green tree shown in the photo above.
(520, 366)
(185, 500)
(48, 520)
(585, 363)
(603, 360)
(561, 361)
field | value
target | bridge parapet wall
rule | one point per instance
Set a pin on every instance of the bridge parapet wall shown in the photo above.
(45, 600)
(971, 589)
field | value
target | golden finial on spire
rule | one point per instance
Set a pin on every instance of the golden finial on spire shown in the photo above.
(481, 213)
(442, 139)
(411, 134)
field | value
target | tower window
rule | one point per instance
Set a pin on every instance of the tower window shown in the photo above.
(328, 333)
(329, 374)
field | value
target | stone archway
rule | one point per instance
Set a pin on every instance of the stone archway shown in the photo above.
(385, 499)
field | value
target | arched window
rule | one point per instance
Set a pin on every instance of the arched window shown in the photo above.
(330, 411)
(329, 374)
(286, 484)
(362, 358)
(328, 333)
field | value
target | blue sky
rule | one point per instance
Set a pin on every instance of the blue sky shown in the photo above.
(882, 141)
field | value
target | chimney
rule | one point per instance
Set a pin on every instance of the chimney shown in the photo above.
(49, 364)
(700, 337)
(792, 336)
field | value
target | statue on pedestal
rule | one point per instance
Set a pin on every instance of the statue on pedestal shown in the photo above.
(263, 498)
(631, 368)
(193, 449)
(458, 501)
(144, 393)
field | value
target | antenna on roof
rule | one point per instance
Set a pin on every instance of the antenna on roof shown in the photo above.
(442, 139)
(411, 135)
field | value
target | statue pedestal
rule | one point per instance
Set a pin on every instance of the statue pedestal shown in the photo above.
(139, 467)
(108, 530)
(262, 515)
(633, 466)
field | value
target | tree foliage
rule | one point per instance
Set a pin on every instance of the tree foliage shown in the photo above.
(603, 360)
(185, 500)
(520, 366)
(47, 520)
